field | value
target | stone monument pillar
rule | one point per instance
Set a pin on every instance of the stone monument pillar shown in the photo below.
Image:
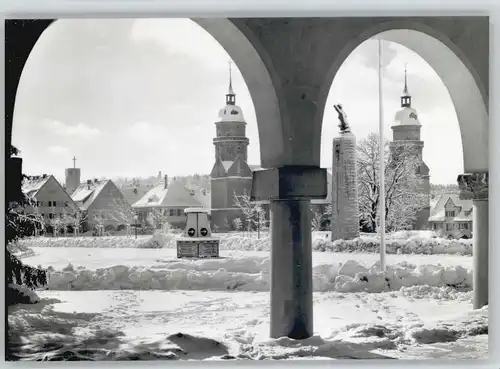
(345, 210)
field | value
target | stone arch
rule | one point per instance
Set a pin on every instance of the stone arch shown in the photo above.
(469, 93)
(251, 63)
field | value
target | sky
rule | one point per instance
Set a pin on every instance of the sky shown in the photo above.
(132, 97)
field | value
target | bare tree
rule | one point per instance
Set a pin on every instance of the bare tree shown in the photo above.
(76, 220)
(123, 213)
(248, 208)
(260, 220)
(316, 221)
(100, 218)
(160, 217)
(402, 196)
(57, 223)
(237, 224)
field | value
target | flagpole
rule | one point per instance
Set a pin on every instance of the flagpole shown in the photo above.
(382, 162)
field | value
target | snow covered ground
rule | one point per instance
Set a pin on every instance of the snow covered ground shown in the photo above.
(130, 303)
(222, 324)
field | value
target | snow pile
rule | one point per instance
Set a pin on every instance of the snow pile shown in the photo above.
(407, 242)
(159, 240)
(87, 242)
(417, 244)
(252, 274)
(244, 243)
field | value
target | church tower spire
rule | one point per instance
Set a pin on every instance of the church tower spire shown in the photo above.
(230, 96)
(406, 97)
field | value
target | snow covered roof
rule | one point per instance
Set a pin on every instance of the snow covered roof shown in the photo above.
(231, 113)
(406, 117)
(85, 194)
(32, 185)
(203, 196)
(463, 207)
(175, 195)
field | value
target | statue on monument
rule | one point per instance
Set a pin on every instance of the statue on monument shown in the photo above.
(343, 125)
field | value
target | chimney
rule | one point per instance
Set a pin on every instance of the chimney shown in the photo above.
(88, 183)
(166, 181)
(96, 180)
(159, 174)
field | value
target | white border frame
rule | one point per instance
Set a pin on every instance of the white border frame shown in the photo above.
(293, 8)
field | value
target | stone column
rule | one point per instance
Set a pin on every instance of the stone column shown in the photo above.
(475, 186)
(345, 212)
(290, 190)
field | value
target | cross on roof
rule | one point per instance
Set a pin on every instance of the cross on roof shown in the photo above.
(74, 161)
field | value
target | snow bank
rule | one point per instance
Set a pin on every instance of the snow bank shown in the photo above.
(252, 274)
(418, 244)
(100, 242)
(407, 242)
(20, 250)
(159, 240)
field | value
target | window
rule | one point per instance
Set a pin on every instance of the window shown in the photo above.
(43, 215)
(449, 226)
(51, 216)
(66, 204)
(179, 212)
(171, 212)
(41, 203)
(50, 203)
(449, 213)
(54, 203)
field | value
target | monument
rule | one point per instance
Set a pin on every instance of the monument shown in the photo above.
(345, 210)
(196, 240)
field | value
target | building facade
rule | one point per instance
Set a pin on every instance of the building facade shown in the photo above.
(230, 176)
(406, 131)
(166, 201)
(451, 217)
(48, 199)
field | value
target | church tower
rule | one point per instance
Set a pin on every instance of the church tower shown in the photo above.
(406, 130)
(72, 178)
(230, 174)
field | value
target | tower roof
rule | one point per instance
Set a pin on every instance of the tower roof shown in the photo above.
(406, 97)
(405, 89)
(230, 96)
(231, 112)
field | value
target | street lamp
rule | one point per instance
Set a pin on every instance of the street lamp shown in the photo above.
(136, 218)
